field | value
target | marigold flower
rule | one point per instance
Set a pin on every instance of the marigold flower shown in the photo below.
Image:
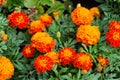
(19, 19)
(36, 26)
(53, 56)
(46, 19)
(81, 16)
(83, 61)
(88, 34)
(42, 42)
(113, 38)
(5, 37)
(56, 15)
(43, 63)
(114, 25)
(28, 51)
(6, 68)
(66, 55)
(103, 61)
(95, 11)
(1, 1)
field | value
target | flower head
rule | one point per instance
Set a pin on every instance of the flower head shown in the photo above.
(88, 34)
(103, 61)
(95, 11)
(36, 26)
(6, 68)
(113, 38)
(53, 56)
(46, 19)
(66, 55)
(81, 16)
(19, 19)
(42, 42)
(83, 61)
(56, 15)
(43, 63)
(28, 51)
(114, 25)
(1, 1)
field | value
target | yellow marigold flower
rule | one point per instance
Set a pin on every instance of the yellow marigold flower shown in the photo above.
(95, 11)
(42, 42)
(46, 19)
(83, 61)
(81, 16)
(53, 56)
(6, 68)
(36, 26)
(56, 15)
(88, 34)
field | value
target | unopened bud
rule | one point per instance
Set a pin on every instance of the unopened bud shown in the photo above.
(58, 34)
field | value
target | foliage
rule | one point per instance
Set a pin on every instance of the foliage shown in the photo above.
(17, 38)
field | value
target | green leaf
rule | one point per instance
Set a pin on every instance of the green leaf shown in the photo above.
(30, 3)
(46, 2)
(58, 6)
(63, 70)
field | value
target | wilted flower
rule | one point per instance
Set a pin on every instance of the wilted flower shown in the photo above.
(6, 68)
(83, 61)
(42, 42)
(43, 63)
(19, 19)
(81, 16)
(36, 26)
(28, 51)
(46, 19)
(113, 38)
(88, 34)
(67, 55)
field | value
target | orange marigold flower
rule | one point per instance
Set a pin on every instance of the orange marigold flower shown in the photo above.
(43, 63)
(81, 16)
(83, 61)
(19, 19)
(46, 19)
(42, 42)
(56, 15)
(66, 55)
(53, 56)
(28, 51)
(5, 37)
(103, 61)
(6, 68)
(95, 11)
(36, 26)
(114, 25)
(1, 1)
(88, 34)
(113, 38)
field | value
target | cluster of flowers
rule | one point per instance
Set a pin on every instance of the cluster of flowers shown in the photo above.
(113, 34)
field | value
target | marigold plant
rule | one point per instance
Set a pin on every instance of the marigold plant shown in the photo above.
(46, 19)
(43, 42)
(28, 51)
(19, 19)
(36, 26)
(6, 68)
(81, 16)
(87, 34)
(83, 61)
(113, 38)
(43, 63)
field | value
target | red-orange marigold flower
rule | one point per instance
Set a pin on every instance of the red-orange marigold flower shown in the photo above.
(1, 1)
(103, 61)
(67, 55)
(6, 68)
(114, 25)
(28, 51)
(43, 63)
(46, 19)
(113, 38)
(53, 56)
(42, 42)
(19, 19)
(88, 34)
(81, 16)
(83, 61)
(36, 26)
(95, 11)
